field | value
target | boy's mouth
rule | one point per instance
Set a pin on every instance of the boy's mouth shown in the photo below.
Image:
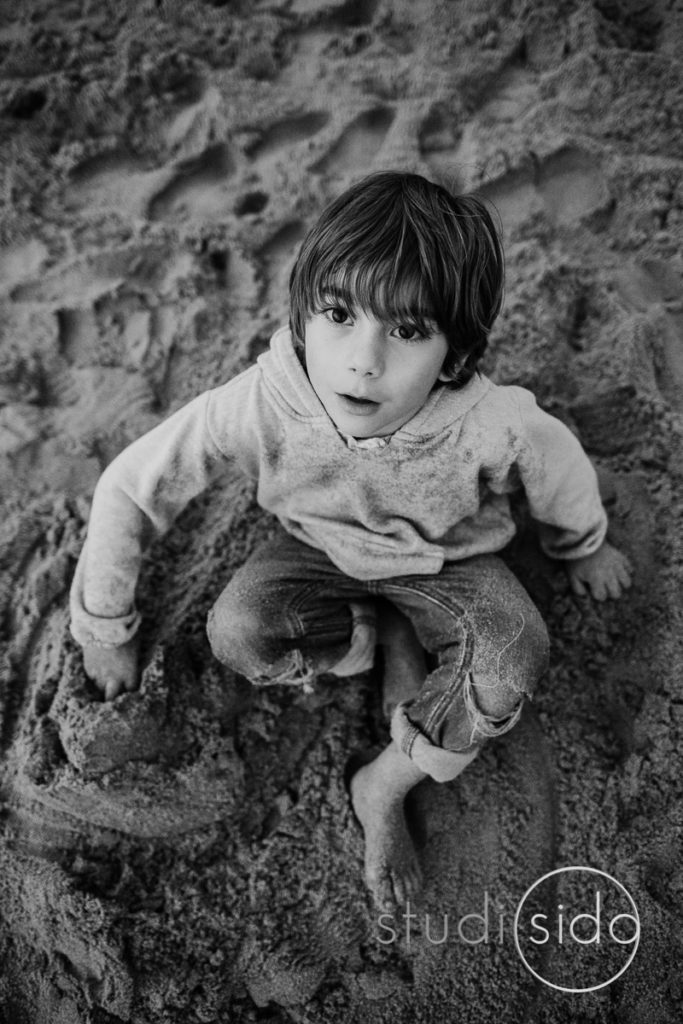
(355, 404)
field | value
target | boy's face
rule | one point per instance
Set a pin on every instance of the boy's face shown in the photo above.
(371, 376)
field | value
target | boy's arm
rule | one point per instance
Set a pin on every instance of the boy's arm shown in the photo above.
(561, 486)
(141, 492)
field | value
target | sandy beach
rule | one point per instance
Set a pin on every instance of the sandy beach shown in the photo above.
(187, 853)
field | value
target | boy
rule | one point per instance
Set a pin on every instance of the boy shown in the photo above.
(388, 461)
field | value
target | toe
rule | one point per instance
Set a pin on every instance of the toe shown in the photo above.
(413, 881)
(382, 891)
(112, 688)
(401, 891)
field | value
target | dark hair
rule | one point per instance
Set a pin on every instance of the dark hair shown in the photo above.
(406, 249)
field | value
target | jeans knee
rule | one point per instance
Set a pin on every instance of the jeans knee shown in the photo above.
(239, 640)
(508, 661)
(510, 654)
(478, 715)
(218, 641)
(233, 634)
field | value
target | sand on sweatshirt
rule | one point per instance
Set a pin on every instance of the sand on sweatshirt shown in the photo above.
(187, 853)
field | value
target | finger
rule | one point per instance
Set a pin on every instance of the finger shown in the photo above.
(623, 564)
(620, 580)
(626, 574)
(578, 586)
(130, 683)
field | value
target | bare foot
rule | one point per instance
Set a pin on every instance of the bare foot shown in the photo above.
(378, 789)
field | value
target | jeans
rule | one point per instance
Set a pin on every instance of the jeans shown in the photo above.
(284, 617)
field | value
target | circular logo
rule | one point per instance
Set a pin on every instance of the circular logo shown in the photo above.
(577, 929)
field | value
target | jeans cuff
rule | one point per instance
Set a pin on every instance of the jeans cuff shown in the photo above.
(442, 765)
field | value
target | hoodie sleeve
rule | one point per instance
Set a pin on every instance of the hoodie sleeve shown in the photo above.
(140, 493)
(560, 483)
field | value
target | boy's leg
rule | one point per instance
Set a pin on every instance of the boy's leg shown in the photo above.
(288, 614)
(405, 668)
(489, 647)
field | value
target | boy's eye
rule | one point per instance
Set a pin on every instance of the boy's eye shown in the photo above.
(337, 314)
(406, 333)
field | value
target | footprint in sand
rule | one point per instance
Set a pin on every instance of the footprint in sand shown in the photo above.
(123, 182)
(514, 196)
(568, 186)
(450, 149)
(656, 286)
(78, 284)
(198, 189)
(606, 421)
(438, 141)
(358, 145)
(572, 186)
(116, 181)
(21, 262)
(286, 133)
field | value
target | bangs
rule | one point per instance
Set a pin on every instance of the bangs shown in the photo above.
(370, 251)
(393, 292)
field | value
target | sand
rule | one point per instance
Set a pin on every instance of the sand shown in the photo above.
(187, 853)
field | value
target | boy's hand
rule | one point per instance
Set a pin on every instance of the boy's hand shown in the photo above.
(112, 669)
(605, 573)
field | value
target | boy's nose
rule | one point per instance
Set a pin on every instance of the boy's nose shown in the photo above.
(366, 356)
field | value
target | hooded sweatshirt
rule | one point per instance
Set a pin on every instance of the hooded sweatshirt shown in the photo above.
(437, 490)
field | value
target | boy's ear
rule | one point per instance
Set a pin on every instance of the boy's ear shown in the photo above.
(452, 376)
(449, 376)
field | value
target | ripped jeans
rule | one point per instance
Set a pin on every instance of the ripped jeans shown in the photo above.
(284, 617)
